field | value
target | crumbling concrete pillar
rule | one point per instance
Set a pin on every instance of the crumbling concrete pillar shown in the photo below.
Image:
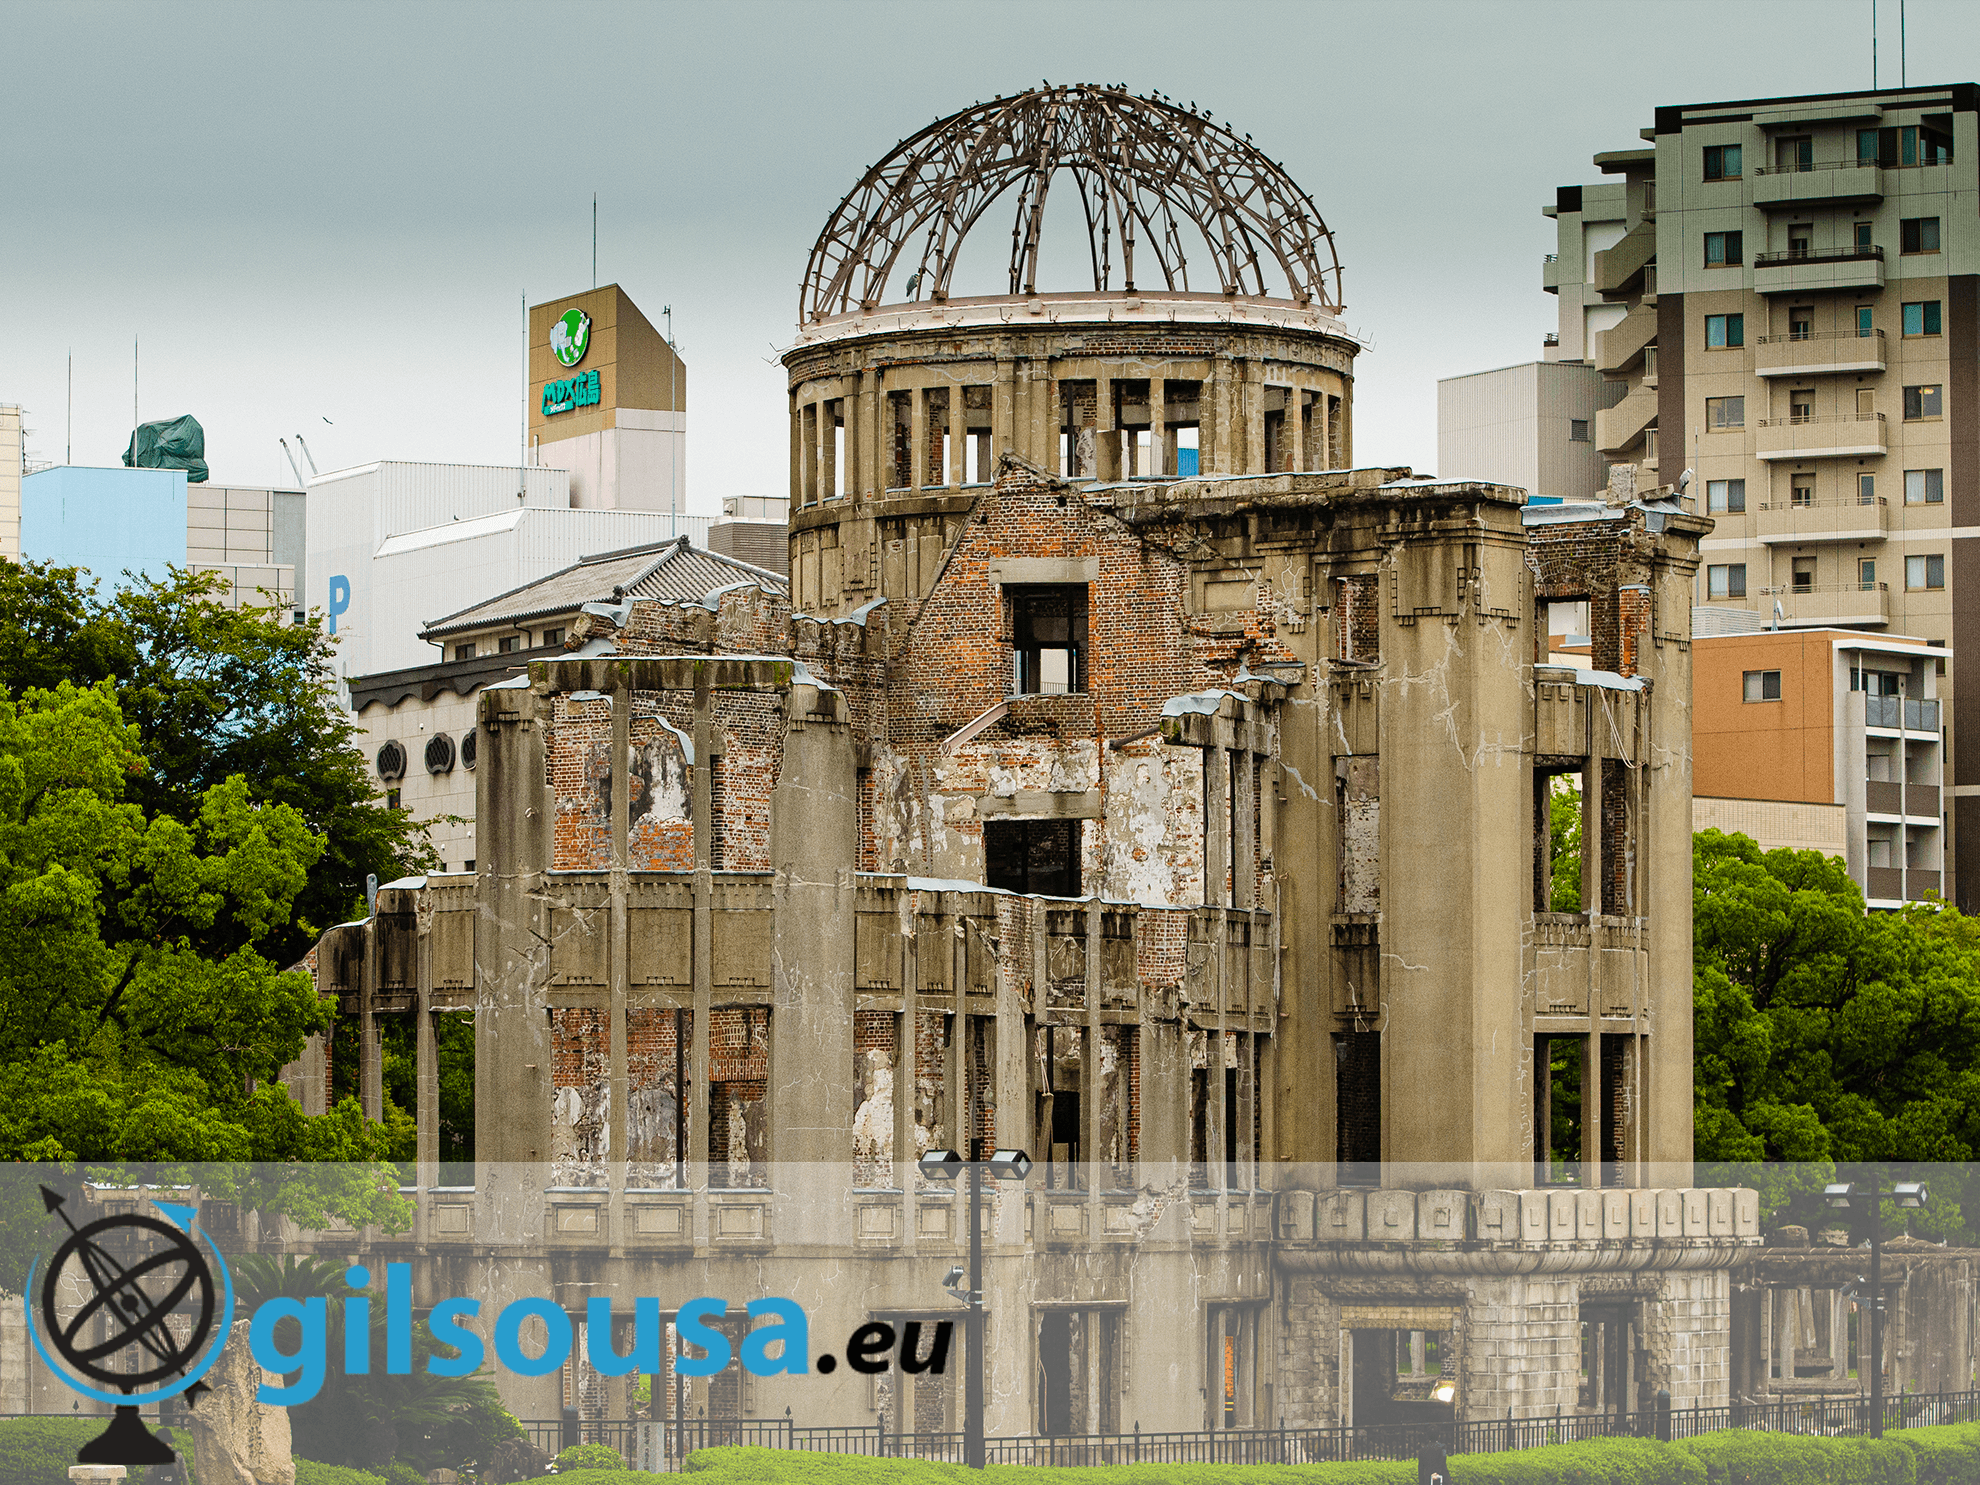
(1158, 427)
(512, 1068)
(814, 828)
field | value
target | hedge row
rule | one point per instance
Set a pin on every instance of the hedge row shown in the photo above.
(1947, 1455)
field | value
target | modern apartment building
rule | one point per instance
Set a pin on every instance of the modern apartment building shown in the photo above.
(1783, 292)
(1825, 739)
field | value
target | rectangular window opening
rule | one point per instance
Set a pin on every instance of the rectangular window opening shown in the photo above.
(1358, 1106)
(1048, 639)
(1763, 685)
(1925, 402)
(1036, 857)
(1924, 486)
(1918, 235)
(1725, 497)
(1557, 1110)
(1725, 580)
(1922, 317)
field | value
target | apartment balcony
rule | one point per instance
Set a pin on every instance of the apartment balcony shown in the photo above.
(1921, 801)
(1830, 605)
(1811, 271)
(1882, 797)
(1830, 183)
(1849, 436)
(1823, 353)
(1619, 346)
(1886, 883)
(1794, 523)
(1618, 428)
(1909, 713)
(1550, 273)
(1619, 269)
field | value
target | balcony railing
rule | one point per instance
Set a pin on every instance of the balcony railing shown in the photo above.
(1803, 167)
(1814, 352)
(1819, 255)
(1801, 336)
(1919, 714)
(1818, 436)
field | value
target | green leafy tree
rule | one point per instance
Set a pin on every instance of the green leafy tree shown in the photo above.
(1564, 844)
(145, 1023)
(217, 693)
(1825, 1034)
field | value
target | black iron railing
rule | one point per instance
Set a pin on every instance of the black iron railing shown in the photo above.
(671, 1442)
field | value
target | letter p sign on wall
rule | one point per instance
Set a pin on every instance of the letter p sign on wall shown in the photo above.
(340, 599)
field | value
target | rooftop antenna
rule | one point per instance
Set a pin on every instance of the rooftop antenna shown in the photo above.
(134, 383)
(69, 435)
(1903, 80)
(673, 361)
(594, 239)
(292, 461)
(1873, 45)
(306, 453)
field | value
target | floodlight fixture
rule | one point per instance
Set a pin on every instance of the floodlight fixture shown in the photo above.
(941, 1165)
(1909, 1194)
(1010, 1165)
(1838, 1193)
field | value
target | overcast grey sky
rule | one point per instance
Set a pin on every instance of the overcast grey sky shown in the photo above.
(333, 211)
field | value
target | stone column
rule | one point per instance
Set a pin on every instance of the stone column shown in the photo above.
(618, 953)
(1089, 1062)
(797, 452)
(1003, 412)
(814, 823)
(918, 438)
(701, 1059)
(1158, 428)
(1254, 418)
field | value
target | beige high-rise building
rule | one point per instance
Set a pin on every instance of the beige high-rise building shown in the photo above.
(1782, 292)
(10, 482)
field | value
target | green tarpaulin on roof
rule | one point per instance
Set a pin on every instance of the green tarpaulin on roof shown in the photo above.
(170, 443)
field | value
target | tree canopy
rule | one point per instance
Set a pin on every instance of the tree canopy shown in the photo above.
(1825, 1034)
(216, 693)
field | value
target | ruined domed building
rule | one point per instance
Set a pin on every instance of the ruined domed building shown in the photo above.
(1130, 778)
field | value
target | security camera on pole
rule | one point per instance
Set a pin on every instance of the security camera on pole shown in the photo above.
(946, 1165)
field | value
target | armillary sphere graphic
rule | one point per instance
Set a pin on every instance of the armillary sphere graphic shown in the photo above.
(138, 1272)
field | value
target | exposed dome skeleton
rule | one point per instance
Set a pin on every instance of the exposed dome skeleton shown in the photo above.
(1141, 166)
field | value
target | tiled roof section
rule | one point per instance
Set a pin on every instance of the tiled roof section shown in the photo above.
(676, 571)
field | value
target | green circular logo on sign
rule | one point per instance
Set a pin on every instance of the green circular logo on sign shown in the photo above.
(570, 337)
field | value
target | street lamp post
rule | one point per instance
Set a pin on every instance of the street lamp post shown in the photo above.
(1911, 1196)
(946, 1165)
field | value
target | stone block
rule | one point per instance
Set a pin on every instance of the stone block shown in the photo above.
(1588, 1216)
(1719, 1213)
(1535, 1219)
(1440, 1215)
(1670, 1214)
(1296, 1216)
(1746, 1212)
(1498, 1216)
(1696, 1219)
(1643, 1214)
(1391, 1216)
(1615, 1215)
(1561, 1216)
(1339, 1217)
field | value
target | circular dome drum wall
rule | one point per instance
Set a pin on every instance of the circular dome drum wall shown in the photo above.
(898, 409)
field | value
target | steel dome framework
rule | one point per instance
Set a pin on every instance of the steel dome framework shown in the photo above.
(1142, 167)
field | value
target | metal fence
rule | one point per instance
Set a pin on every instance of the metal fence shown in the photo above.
(662, 1445)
